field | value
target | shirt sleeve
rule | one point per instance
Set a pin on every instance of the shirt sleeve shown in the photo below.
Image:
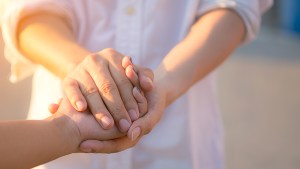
(249, 10)
(21, 67)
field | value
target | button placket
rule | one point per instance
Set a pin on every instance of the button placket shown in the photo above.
(128, 28)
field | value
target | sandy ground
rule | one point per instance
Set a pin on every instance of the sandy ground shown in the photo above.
(259, 97)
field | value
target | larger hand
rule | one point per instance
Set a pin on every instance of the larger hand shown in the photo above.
(156, 102)
(99, 81)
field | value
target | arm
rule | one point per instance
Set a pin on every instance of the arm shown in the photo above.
(47, 39)
(25, 144)
(210, 41)
(94, 79)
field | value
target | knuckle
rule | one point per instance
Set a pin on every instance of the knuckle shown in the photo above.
(111, 54)
(124, 81)
(109, 50)
(124, 84)
(116, 111)
(95, 61)
(88, 90)
(92, 58)
(149, 72)
(107, 88)
(130, 103)
(69, 82)
(143, 109)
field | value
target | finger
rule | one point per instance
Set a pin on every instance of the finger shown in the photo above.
(94, 100)
(129, 70)
(110, 146)
(132, 75)
(73, 93)
(146, 82)
(140, 127)
(125, 88)
(53, 108)
(145, 76)
(123, 84)
(145, 124)
(141, 101)
(126, 61)
(109, 92)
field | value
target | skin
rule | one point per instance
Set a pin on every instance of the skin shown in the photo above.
(62, 133)
(28, 143)
(99, 77)
(208, 43)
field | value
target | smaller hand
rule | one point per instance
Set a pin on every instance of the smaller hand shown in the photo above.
(83, 124)
(142, 79)
(139, 76)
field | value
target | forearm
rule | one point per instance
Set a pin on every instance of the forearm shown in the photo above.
(47, 39)
(210, 41)
(25, 144)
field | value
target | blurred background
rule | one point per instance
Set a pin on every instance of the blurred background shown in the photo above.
(258, 92)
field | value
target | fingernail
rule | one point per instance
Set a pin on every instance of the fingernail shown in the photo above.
(149, 81)
(105, 121)
(130, 59)
(80, 105)
(139, 95)
(133, 115)
(124, 125)
(138, 89)
(135, 133)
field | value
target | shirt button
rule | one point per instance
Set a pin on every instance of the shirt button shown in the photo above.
(130, 10)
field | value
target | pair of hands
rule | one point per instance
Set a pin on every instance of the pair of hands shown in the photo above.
(108, 84)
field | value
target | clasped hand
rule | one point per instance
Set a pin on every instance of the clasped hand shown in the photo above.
(107, 89)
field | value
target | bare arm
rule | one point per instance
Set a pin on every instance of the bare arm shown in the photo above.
(25, 144)
(47, 39)
(97, 80)
(28, 143)
(210, 41)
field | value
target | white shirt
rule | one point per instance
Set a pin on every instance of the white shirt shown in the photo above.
(189, 134)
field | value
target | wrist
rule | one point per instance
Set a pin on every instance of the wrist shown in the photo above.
(66, 131)
(71, 63)
(162, 82)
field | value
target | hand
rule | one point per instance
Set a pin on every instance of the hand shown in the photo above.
(139, 76)
(156, 98)
(99, 81)
(82, 125)
(156, 101)
(142, 75)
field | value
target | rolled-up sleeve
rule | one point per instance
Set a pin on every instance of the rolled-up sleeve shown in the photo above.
(249, 10)
(21, 67)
